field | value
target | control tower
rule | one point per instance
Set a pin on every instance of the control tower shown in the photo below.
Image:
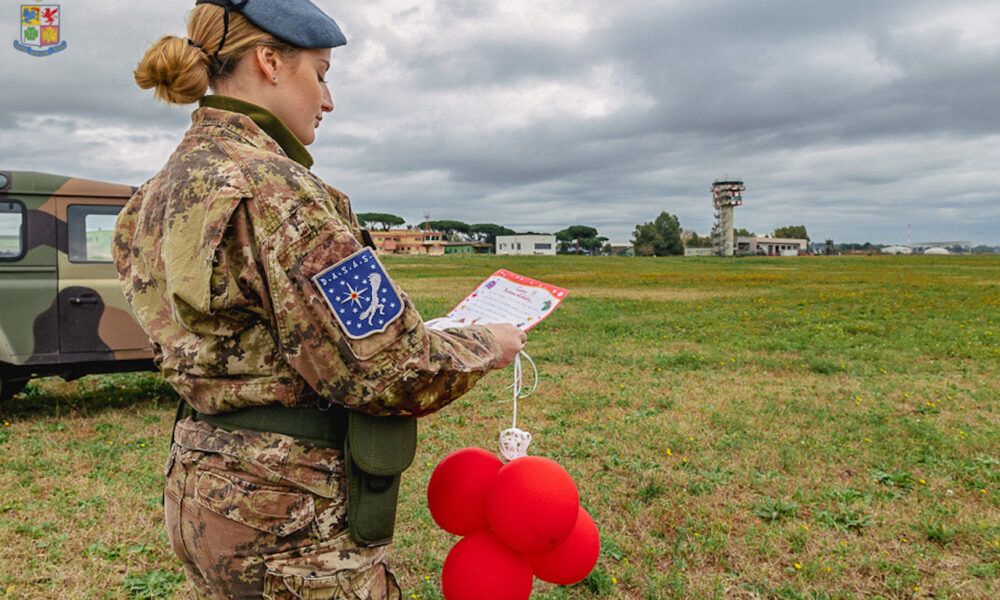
(726, 195)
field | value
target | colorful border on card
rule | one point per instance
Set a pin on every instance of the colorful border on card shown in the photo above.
(558, 294)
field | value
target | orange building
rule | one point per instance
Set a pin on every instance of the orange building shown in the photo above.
(409, 241)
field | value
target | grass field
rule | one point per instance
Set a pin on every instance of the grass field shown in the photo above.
(755, 428)
(10, 245)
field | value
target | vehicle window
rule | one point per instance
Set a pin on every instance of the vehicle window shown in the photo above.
(91, 229)
(11, 230)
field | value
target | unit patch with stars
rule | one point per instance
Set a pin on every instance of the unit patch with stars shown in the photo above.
(359, 293)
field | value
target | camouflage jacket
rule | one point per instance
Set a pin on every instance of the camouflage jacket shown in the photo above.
(216, 254)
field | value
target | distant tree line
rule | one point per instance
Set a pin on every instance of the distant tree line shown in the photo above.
(580, 239)
(383, 221)
(576, 239)
(865, 247)
(696, 241)
(453, 230)
(797, 232)
(659, 237)
(662, 236)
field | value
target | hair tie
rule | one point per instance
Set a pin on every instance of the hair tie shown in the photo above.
(195, 44)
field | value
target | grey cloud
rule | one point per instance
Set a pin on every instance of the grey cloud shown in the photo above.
(853, 117)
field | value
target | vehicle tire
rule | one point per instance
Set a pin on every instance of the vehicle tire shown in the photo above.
(10, 387)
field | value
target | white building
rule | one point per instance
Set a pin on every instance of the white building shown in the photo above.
(957, 246)
(526, 244)
(768, 246)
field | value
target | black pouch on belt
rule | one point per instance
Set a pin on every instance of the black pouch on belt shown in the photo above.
(376, 450)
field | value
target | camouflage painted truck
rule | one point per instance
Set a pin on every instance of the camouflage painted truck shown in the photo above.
(62, 311)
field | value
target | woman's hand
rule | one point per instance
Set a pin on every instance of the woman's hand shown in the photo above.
(511, 340)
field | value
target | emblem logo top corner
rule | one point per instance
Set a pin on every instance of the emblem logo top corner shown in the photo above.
(41, 29)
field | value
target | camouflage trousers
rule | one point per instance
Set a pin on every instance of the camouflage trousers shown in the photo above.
(260, 515)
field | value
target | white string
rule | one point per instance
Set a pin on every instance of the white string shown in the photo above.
(518, 385)
(514, 442)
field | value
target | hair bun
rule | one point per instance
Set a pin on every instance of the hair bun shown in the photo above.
(177, 69)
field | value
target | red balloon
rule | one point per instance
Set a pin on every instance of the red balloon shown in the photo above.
(532, 504)
(480, 566)
(573, 559)
(456, 493)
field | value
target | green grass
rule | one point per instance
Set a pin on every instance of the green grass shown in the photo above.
(781, 428)
(99, 244)
(10, 245)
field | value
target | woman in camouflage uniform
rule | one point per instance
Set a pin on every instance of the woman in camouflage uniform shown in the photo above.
(230, 257)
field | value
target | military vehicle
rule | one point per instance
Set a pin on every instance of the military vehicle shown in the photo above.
(62, 311)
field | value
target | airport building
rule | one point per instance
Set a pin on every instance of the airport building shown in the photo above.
(467, 248)
(726, 196)
(526, 245)
(409, 241)
(768, 246)
(953, 247)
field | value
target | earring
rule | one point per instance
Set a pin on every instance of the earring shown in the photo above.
(274, 77)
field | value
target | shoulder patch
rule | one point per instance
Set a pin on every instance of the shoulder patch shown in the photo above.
(360, 295)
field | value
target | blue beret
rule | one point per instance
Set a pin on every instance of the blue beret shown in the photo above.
(298, 22)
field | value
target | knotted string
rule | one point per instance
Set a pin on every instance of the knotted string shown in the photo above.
(514, 442)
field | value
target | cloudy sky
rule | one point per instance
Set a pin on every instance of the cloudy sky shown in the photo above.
(856, 118)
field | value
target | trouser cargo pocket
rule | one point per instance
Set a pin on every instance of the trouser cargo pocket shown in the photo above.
(336, 569)
(274, 510)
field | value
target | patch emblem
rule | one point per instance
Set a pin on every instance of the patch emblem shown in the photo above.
(360, 295)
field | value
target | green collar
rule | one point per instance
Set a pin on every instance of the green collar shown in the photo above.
(264, 119)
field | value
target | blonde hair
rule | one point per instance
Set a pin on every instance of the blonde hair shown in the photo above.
(181, 70)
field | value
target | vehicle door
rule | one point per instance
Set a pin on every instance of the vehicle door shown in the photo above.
(27, 277)
(93, 313)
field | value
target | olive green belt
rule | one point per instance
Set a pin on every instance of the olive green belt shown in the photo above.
(320, 427)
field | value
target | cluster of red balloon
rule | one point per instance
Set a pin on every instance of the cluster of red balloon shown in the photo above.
(520, 519)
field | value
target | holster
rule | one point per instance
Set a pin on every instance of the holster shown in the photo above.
(376, 451)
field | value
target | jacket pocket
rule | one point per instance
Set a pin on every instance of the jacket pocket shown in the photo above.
(193, 231)
(274, 510)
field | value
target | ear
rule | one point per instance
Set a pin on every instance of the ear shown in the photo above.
(268, 62)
